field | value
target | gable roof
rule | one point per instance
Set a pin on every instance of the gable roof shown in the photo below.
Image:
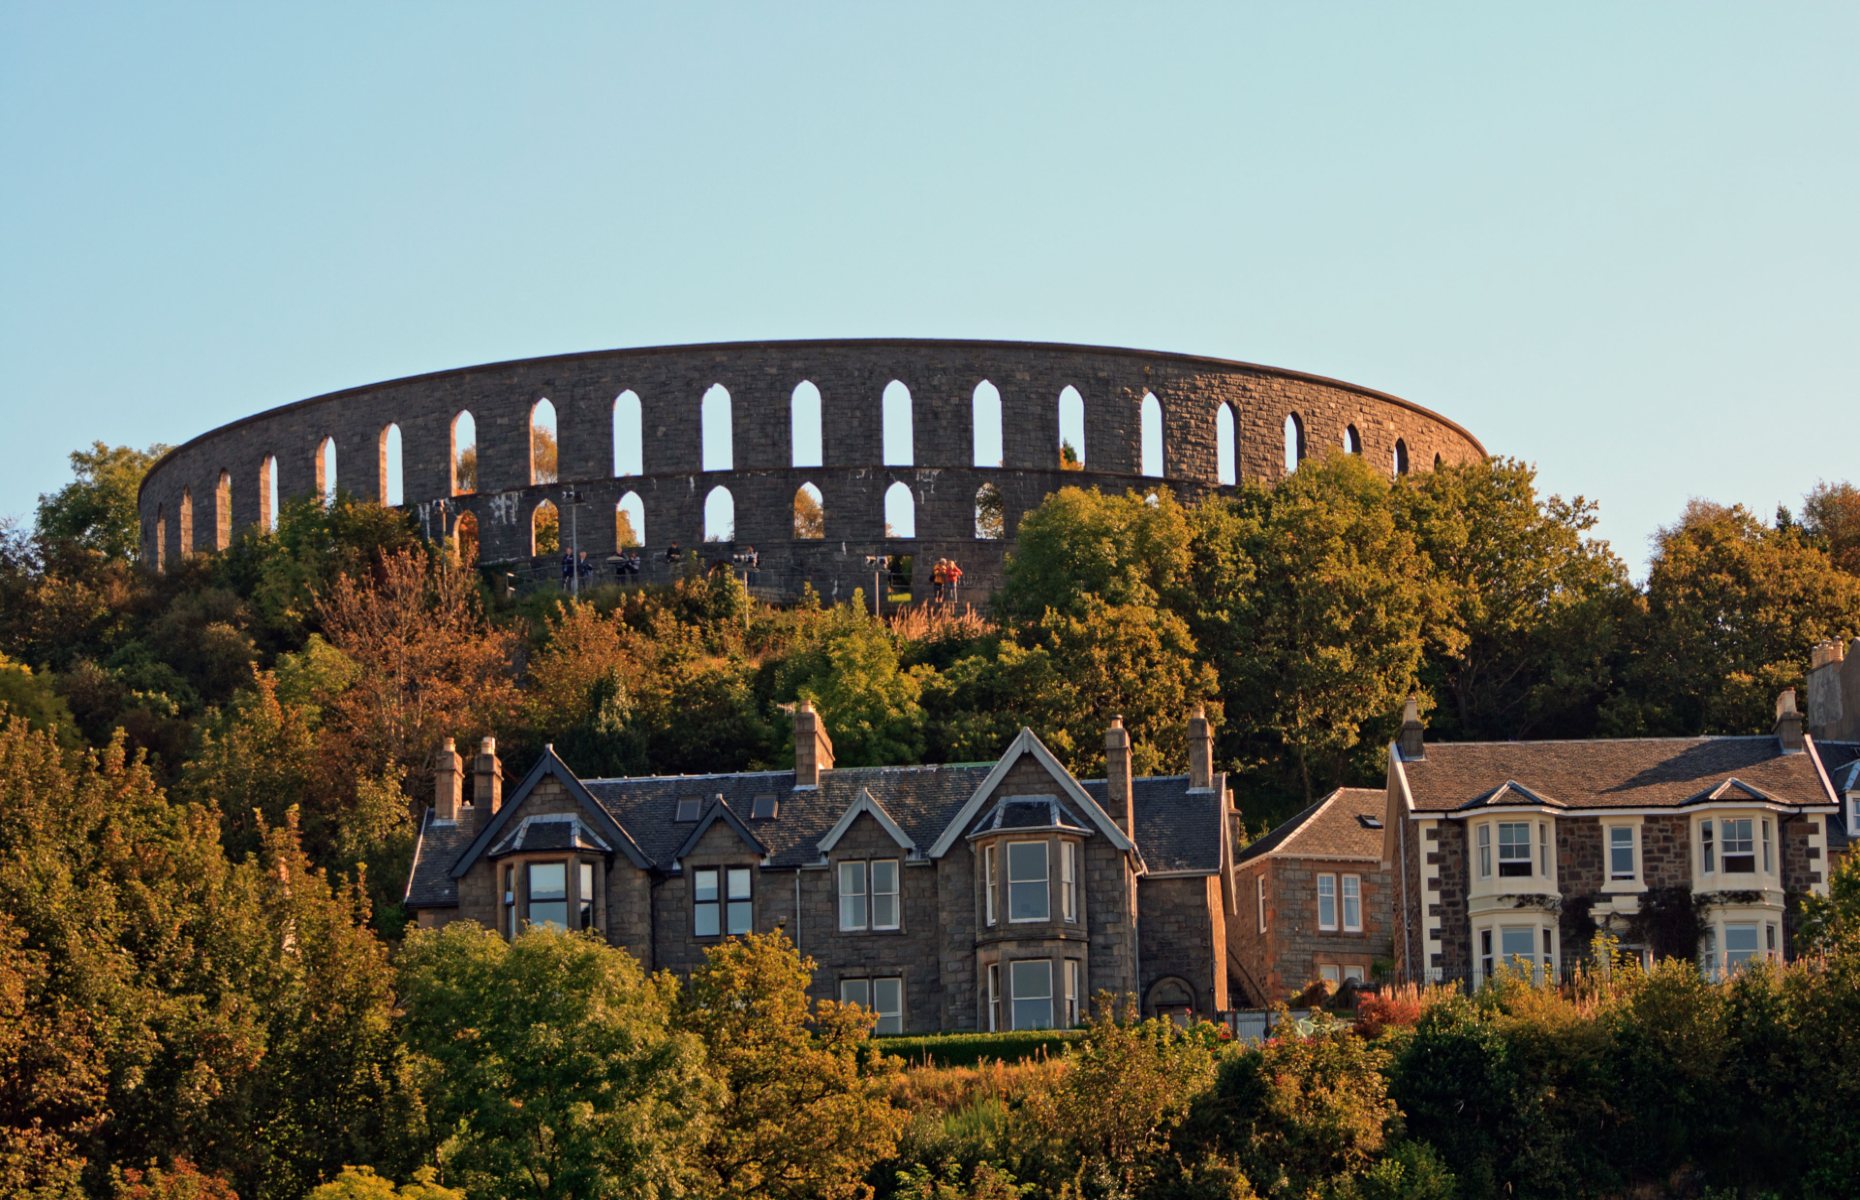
(1842, 762)
(549, 766)
(1604, 773)
(1025, 744)
(719, 810)
(864, 803)
(1347, 824)
(430, 884)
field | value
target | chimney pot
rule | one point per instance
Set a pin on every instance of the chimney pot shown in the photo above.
(448, 782)
(1412, 742)
(813, 749)
(1117, 790)
(487, 781)
(1200, 749)
(1788, 722)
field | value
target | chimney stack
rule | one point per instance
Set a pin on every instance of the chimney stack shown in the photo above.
(1410, 743)
(448, 782)
(1200, 749)
(813, 749)
(1117, 793)
(487, 781)
(1788, 722)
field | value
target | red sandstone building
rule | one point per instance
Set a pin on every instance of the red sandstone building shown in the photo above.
(1314, 900)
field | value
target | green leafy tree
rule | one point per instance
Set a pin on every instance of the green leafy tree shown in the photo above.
(804, 1109)
(1732, 605)
(1080, 545)
(552, 1066)
(847, 664)
(1831, 521)
(1297, 1115)
(1312, 600)
(97, 510)
(361, 1183)
(1831, 923)
(53, 1092)
(1524, 625)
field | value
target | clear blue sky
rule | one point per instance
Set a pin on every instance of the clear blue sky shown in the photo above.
(1620, 241)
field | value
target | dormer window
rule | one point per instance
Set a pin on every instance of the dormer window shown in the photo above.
(1514, 848)
(1027, 889)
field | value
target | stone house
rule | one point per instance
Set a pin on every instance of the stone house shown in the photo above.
(1521, 852)
(1834, 723)
(996, 895)
(1314, 900)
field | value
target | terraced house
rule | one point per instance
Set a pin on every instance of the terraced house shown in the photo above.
(1519, 853)
(995, 895)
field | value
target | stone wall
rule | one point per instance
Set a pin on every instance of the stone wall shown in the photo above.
(761, 378)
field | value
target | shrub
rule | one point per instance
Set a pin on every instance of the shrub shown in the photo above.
(970, 1049)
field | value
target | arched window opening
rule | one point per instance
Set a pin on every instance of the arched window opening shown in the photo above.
(161, 538)
(1071, 429)
(545, 529)
(464, 454)
(990, 514)
(900, 511)
(1226, 451)
(326, 472)
(465, 540)
(222, 511)
(545, 450)
(268, 493)
(805, 444)
(985, 417)
(1152, 436)
(719, 515)
(186, 540)
(898, 441)
(1352, 440)
(719, 452)
(629, 435)
(1401, 457)
(629, 522)
(391, 491)
(810, 513)
(1294, 442)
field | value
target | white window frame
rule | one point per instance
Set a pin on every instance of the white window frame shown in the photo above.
(1620, 836)
(992, 997)
(878, 892)
(1074, 973)
(1742, 954)
(1350, 894)
(867, 993)
(988, 884)
(1030, 970)
(1327, 896)
(1489, 934)
(855, 903)
(1746, 841)
(1068, 881)
(1529, 857)
(1044, 884)
(1259, 897)
(1483, 837)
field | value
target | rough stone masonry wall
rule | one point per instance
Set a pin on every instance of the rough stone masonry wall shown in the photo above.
(761, 378)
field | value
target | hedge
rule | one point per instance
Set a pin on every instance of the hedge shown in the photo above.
(968, 1049)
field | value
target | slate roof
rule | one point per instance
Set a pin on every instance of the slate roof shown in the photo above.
(1347, 824)
(1842, 762)
(1178, 830)
(430, 885)
(1609, 773)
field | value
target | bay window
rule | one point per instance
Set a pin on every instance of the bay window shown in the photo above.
(991, 997)
(1068, 881)
(1030, 993)
(1073, 987)
(1737, 845)
(1027, 890)
(548, 899)
(1737, 851)
(1514, 848)
(584, 900)
(1485, 851)
(1740, 944)
(988, 884)
(1528, 947)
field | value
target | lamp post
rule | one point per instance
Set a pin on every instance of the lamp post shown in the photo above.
(571, 499)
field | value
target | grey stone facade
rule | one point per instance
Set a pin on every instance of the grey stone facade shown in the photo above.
(184, 488)
(1134, 899)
